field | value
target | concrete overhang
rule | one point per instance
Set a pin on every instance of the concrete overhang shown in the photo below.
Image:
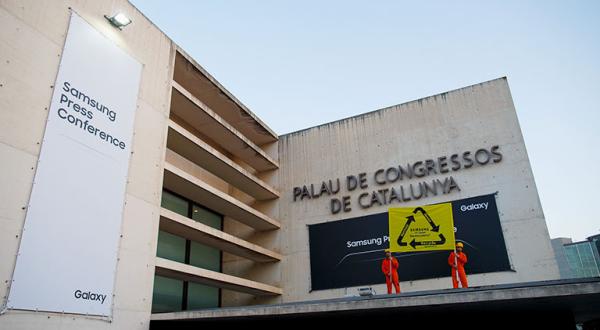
(198, 115)
(187, 228)
(189, 74)
(187, 185)
(194, 149)
(177, 270)
(554, 301)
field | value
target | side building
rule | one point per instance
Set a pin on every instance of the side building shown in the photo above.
(577, 259)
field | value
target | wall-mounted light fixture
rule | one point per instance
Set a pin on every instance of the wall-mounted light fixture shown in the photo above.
(118, 20)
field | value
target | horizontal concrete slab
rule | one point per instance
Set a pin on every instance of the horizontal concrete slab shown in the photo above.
(202, 118)
(192, 76)
(177, 270)
(579, 297)
(179, 225)
(193, 148)
(185, 184)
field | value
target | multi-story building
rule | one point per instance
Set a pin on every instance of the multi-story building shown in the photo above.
(134, 183)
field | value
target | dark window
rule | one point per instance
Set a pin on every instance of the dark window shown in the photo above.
(174, 295)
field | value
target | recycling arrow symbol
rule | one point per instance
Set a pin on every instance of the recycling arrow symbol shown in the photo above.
(434, 228)
(429, 220)
(409, 220)
(414, 243)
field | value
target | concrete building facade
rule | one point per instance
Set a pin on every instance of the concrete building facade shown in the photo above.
(466, 119)
(207, 176)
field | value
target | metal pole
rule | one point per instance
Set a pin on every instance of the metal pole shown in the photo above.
(456, 266)
(390, 272)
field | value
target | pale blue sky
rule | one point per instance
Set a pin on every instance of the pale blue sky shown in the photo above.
(301, 63)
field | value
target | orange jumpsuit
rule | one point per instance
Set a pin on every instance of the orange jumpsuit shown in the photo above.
(462, 260)
(389, 267)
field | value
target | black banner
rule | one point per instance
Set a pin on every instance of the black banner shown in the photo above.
(349, 252)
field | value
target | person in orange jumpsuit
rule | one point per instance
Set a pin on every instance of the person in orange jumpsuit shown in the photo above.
(389, 267)
(458, 263)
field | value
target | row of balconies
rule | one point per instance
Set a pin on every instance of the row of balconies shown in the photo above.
(219, 135)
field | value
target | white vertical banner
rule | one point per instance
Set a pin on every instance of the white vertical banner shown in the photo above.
(68, 253)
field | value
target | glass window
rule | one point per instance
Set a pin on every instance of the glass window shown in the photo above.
(581, 259)
(202, 296)
(204, 256)
(174, 203)
(207, 217)
(170, 247)
(201, 255)
(588, 262)
(573, 260)
(167, 295)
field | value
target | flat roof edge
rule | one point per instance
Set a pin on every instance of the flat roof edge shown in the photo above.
(582, 286)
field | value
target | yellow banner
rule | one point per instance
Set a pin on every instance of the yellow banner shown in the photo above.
(423, 228)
